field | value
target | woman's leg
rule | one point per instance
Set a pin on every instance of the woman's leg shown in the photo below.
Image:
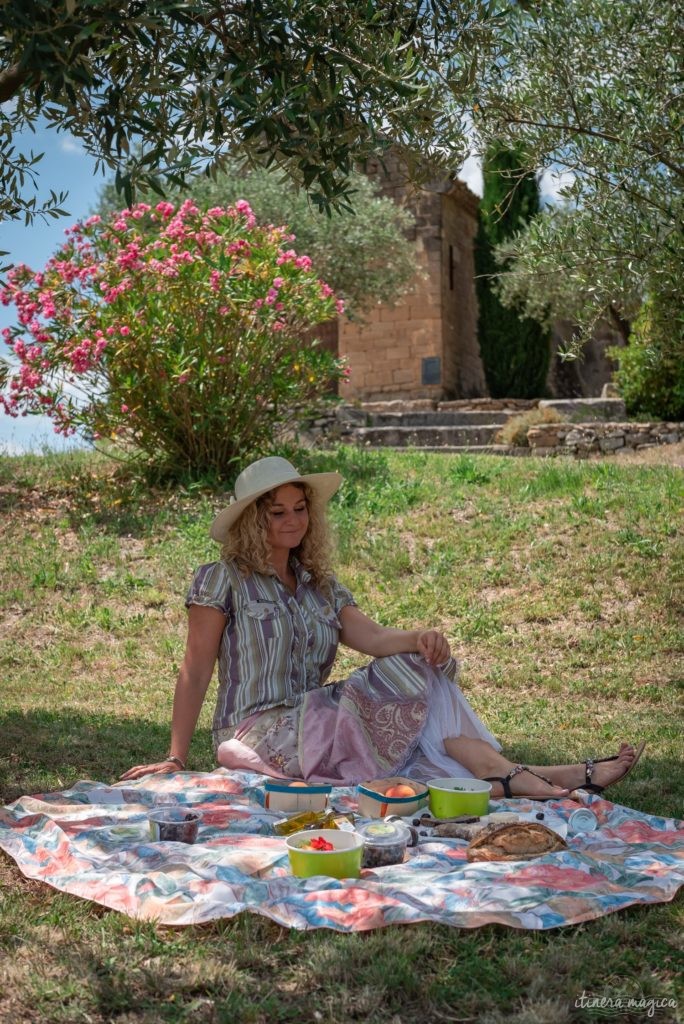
(483, 761)
(604, 774)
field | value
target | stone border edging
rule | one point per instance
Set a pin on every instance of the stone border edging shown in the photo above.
(586, 438)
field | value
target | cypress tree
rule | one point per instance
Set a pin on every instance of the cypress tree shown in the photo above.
(515, 350)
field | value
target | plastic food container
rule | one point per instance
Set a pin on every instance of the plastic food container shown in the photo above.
(451, 797)
(288, 796)
(374, 802)
(343, 861)
(384, 842)
(583, 820)
(173, 825)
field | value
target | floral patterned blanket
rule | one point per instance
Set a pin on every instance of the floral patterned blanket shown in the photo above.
(93, 841)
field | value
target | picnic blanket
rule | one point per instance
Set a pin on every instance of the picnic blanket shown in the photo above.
(93, 841)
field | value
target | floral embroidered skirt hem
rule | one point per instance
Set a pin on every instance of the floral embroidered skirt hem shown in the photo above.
(390, 716)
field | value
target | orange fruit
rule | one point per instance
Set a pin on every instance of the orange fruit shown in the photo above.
(400, 790)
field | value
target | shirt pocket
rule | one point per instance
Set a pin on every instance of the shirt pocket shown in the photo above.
(267, 617)
(327, 628)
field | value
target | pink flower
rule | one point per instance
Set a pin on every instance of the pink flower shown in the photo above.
(303, 263)
(215, 280)
(165, 209)
(339, 306)
(125, 331)
(124, 407)
(278, 282)
(286, 257)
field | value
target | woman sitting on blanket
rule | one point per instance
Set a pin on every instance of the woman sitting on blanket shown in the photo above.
(272, 613)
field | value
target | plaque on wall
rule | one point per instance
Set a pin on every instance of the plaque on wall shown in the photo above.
(431, 370)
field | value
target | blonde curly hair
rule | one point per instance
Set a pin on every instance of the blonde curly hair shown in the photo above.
(247, 544)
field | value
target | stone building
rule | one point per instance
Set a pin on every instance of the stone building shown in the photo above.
(426, 345)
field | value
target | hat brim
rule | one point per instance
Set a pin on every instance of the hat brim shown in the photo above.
(323, 484)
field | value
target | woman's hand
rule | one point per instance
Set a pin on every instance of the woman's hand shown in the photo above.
(433, 646)
(157, 768)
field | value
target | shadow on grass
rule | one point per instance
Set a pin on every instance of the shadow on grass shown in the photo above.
(42, 751)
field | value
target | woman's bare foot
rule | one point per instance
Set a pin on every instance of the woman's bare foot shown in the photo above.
(604, 773)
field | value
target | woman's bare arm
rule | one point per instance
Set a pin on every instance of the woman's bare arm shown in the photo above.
(205, 628)
(369, 637)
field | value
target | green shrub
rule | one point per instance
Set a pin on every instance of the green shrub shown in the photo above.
(650, 374)
(515, 350)
(174, 334)
(515, 431)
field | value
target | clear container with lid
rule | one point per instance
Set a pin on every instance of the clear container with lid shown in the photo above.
(384, 842)
(583, 820)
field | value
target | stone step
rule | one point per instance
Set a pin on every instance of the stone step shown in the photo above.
(585, 410)
(426, 437)
(436, 418)
(464, 449)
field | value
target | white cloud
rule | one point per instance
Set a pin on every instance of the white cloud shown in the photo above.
(471, 174)
(70, 145)
(551, 183)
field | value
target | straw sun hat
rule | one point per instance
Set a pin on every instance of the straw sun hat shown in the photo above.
(262, 476)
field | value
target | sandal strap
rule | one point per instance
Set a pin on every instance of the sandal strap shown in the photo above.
(516, 770)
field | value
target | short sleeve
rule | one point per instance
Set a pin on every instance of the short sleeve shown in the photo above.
(211, 588)
(340, 597)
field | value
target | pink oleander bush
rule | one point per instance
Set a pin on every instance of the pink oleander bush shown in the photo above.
(176, 334)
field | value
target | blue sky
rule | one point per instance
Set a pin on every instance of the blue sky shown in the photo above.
(65, 166)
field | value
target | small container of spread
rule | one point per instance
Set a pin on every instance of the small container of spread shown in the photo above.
(384, 842)
(173, 824)
(583, 820)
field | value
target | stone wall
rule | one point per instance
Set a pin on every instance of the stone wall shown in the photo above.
(586, 438)
(436, 320)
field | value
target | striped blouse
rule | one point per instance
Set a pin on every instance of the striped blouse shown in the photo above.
(276, 645)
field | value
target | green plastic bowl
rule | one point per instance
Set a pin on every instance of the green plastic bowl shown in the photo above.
(451, 797)
(342, 862)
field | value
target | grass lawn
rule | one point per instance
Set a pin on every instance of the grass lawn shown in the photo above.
(560, 585)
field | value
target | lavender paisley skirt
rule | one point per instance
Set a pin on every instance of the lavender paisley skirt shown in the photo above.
(389, 717)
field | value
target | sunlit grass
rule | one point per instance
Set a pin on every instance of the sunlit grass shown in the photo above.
(560, 587)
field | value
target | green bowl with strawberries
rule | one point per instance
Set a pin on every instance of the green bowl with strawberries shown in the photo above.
(325, 851)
